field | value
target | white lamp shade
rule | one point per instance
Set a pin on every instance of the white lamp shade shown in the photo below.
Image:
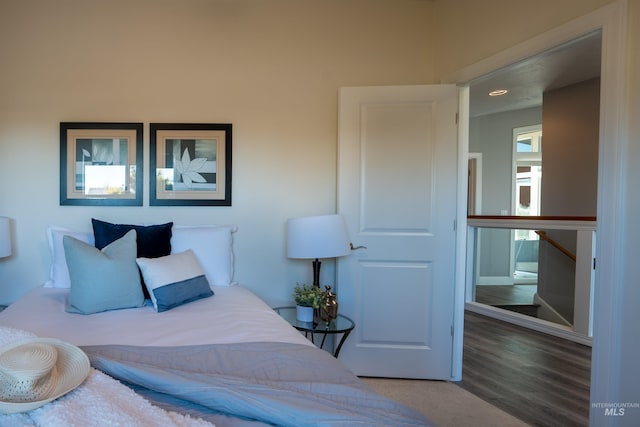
(323, 236)
(5, 237)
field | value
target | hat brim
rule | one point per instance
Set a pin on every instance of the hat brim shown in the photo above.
(73, 368)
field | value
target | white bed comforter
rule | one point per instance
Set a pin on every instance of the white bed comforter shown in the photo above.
(99, 400)
(234, 314)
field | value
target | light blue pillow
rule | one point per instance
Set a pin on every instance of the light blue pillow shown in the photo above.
(102, 280)
(174, 280)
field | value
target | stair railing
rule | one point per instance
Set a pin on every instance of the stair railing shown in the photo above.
(544, 236)
(585, 228)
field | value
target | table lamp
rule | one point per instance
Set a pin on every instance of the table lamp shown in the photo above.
(5, 237)
(315, 237)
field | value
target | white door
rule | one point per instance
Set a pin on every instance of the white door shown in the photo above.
(397, 162)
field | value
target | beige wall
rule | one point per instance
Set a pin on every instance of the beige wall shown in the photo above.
(271, 68)
(471, 30)
(570, 126)
(570, 117)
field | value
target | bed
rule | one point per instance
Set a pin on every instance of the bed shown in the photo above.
(227, 358)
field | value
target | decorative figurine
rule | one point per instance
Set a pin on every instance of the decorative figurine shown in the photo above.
(329, 307)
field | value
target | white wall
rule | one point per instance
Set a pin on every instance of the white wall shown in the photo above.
(271, 68)
(492, 135)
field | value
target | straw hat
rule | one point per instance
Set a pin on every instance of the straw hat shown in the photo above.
(37, 371)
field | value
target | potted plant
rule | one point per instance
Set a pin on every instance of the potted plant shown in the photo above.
(308, 299)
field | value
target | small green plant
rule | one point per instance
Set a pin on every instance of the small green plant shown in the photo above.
(307, 296)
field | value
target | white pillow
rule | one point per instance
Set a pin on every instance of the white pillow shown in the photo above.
(213, 247)
(174, 280)
(59, 273)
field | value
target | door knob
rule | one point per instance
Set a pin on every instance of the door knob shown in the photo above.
(353, 248)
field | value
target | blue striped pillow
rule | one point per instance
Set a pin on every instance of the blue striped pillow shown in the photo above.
(174, 280)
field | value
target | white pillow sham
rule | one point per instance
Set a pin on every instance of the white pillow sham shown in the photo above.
(59, 273)
(213, 247)
(211, 244)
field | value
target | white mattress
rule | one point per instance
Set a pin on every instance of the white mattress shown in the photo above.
(234, 314)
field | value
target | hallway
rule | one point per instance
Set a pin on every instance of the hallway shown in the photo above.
(540, 379)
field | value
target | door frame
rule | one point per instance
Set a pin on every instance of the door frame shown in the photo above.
(477, 181)
(461, 233)
(612, 21)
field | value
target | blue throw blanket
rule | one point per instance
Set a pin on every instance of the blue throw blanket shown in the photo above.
(274, 383)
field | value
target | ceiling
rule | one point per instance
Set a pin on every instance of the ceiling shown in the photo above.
(570, 63)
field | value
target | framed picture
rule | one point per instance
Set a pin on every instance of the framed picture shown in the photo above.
(190, 164)
(101, 163)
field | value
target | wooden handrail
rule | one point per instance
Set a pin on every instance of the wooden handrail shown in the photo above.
(533, 222)
(544, 236)
(496, 221)
(529, 218)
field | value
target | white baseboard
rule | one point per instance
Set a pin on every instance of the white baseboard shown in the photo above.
(529, 322)
(494, 280)
(547, 312)
(529, 267)
(505, 281)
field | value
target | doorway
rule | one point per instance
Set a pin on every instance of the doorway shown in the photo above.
(509, 134)
(612, 20)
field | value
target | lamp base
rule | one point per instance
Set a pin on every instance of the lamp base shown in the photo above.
(316, 272)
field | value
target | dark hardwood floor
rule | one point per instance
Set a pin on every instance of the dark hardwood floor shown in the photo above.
(540, 379)
(502, 295)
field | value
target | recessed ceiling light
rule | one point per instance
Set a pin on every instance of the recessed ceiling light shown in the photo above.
(498, 92)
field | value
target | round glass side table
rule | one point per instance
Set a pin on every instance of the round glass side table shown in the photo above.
(340, 325)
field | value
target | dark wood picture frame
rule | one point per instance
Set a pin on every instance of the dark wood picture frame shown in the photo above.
(101, 163)
(190, 164)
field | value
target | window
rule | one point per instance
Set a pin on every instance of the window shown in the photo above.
(527, 170)
(527, 180)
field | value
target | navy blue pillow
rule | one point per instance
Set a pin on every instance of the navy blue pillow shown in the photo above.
(153, 241)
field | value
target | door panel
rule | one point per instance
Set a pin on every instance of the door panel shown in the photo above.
(397, 191)
(410, 296)
(382, 124)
